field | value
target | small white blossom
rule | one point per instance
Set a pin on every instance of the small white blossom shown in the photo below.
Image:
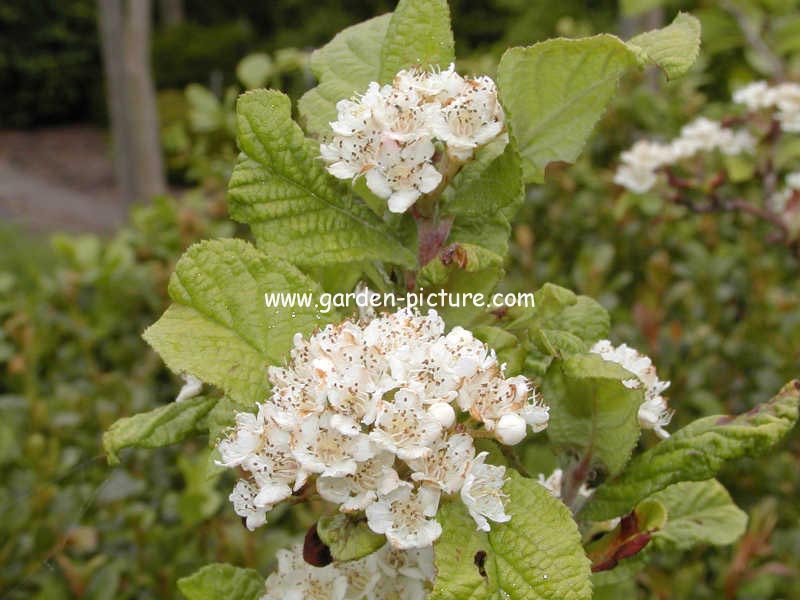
(297, 580)
(446, 464)
(243, 499)
(483, 493)
(190, 389)
(358, 490)
(404, 427)
(406, 516)
(654, 412)
(640, 164)
(755, 96)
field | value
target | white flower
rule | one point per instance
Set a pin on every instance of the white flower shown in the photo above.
(363, 576)
(321, 448)
(653, 413)
(703, 134)
(190, 389)
(446, 464)
(553, 483)
(793, 180)
(406, 516)
(483, 493)
(404, 427)
(243, 499)
(403, 173)
(357, 491)
(640, 163)
(472, 119)
(297, 580)
(755, 95)
(637, 179)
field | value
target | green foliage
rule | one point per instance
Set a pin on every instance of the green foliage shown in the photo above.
(348, 538)
(536, 555)
(222, 581)
(218, 328)
(418, 35)
(699, 512)
(556, 91)
(159, 427)
(697, 452)
(592, 412)
(296, 210)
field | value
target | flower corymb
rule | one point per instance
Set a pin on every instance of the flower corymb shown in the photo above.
(379, 417)
(400, 136)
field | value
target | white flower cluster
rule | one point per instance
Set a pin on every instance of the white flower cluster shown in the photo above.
(362, 403)
(785, 97)
(388, 574)
(654, 413)
(388, 134)
(640, 164)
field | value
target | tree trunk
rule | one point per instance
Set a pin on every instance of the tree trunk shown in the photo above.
(125, 37)
(142, 98)
(111, 38)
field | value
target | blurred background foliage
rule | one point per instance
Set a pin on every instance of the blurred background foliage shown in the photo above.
(715, 305)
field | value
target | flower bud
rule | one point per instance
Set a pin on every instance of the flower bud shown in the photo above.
(511, 429)
(443, 413)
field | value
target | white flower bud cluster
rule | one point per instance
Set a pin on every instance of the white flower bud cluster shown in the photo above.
(640, 164)
(390, 133)
(368, 412)
(783, 97)
(654, 412)
(388, 574)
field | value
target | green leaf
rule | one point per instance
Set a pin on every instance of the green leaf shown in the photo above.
(591, 411)
(344, 66)
(418, 35)
(674, 48)
(555, 91)
(537, 555)
(159, 427)
(562, 322)
(296, 210)
(348, 538)
(697, 452)
(490, 183)
(219, 580)
(254, 70)
(699, 512)
(219, 329)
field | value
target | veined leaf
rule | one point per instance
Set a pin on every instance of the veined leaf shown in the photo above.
(697, 452)
(537, 555)
(418, 35)
(344, 66)
(219, 329)
(699, 512)
(554, 92)
(674, 48)
(591, 410)
(159, 427)
(219, 580)
(296, 210)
